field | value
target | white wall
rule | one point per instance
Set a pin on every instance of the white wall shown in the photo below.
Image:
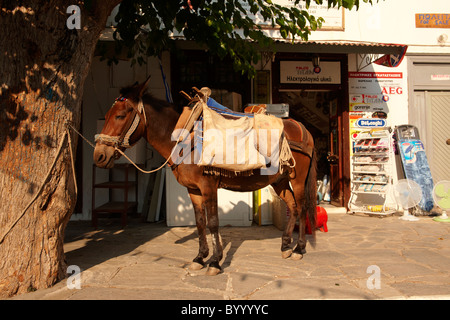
(102, 86)
(392, 21)
(386, 21)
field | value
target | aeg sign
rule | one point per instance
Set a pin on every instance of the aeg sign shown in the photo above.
(391, 90)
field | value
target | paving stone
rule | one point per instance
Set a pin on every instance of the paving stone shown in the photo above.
(150, 261)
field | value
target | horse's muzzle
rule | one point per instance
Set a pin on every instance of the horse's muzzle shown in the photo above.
(104, 156)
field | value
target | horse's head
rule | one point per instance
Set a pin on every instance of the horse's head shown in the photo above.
(124, 125)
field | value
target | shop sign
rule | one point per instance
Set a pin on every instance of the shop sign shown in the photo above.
(370, 123)
(386, 83)
(376, 75)
(375, 99)
(432, 20)
(368, 102)
(368, 98)
(372, 91)
(303, 72)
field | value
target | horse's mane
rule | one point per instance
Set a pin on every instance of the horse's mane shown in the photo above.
(132, 92)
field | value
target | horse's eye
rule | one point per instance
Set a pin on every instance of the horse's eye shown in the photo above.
(120, 117)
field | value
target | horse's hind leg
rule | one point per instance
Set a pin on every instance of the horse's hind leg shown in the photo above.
(285, 192)
(299, 249)
(298, 185)
(200, 221)
(305, 192)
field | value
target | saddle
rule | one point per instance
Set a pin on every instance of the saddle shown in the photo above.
(231, 143)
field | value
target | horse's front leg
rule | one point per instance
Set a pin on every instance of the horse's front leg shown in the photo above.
(210, 203)
(200, 221)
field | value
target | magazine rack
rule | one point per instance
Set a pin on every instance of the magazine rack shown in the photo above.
(371, 165)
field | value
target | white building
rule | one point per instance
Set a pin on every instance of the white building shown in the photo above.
(416, 91)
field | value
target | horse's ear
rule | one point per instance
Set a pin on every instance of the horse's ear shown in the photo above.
(144, 87)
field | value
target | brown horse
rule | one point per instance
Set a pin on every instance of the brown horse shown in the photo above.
(136, 114)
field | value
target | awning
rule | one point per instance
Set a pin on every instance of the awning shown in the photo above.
(340, 46)
(391, 53)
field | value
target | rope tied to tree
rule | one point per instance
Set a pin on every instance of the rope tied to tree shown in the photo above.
(41, 188)
(68, 126)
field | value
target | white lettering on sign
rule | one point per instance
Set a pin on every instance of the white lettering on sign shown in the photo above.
(440, 77)
(304, 72)
(371, 123)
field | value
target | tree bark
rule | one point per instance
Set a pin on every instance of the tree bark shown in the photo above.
(43, 66)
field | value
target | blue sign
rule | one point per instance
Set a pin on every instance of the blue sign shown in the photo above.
(370, 123)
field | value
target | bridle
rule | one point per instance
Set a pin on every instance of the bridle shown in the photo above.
(123, 141)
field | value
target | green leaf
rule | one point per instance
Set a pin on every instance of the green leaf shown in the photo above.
(301, 22)
(213, 23)
(284, 33)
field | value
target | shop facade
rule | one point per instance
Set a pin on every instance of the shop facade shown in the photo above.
(328, 82)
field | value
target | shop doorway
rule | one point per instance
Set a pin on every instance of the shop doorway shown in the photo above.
(316, 89)
(318, 110)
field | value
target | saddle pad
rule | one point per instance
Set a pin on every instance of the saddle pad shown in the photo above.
(239, 143)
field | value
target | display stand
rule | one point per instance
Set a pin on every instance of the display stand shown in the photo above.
(372, 166)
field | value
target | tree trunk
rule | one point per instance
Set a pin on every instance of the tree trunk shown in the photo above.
(43, 66)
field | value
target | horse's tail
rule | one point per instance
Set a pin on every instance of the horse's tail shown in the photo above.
(310, 203)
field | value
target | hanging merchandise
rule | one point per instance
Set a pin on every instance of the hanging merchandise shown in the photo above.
(319, 191)
(326, 188)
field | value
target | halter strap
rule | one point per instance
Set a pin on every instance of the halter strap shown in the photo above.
(123, 140)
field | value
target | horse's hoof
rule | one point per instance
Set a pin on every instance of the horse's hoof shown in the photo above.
(296, 256)
(195, 266)
(286, 254)
(212, 271)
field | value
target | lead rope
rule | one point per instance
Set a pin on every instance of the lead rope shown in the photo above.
(123, 154)
(179, 140)
(142, 170)
(72, 160)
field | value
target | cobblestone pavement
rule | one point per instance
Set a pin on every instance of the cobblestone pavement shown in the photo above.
(360, 257)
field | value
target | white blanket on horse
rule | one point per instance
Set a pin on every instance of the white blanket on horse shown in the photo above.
(241, 144)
